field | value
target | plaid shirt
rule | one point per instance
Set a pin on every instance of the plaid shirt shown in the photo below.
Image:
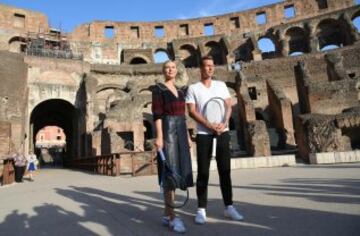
(165, 103)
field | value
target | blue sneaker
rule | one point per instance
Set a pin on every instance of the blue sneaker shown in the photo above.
(165, 220)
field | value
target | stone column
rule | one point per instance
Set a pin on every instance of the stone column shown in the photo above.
(257, 52)
(285, 49)
(353, 31)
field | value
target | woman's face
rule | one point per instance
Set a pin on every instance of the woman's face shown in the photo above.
(170, 70)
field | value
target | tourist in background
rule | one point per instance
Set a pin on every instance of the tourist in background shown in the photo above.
(32, 164)
(20, 165)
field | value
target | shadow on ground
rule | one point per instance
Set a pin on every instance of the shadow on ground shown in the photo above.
(108, 213)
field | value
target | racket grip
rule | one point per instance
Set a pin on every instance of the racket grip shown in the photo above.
(162, 155)
(213, 153)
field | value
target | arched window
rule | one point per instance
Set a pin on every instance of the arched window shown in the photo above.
(298, 43)
(189, 55)
(267, 47)
(332, 32)
(215, 50)
(138, 60)
(161, 56)
(244, 51)
(17, 44)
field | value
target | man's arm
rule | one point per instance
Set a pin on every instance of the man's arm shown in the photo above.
(228, 105)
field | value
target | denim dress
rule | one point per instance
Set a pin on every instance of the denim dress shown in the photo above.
(171, 110)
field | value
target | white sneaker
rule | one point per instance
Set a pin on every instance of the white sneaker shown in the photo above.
(200, 217)
(232, 213)
(177, 225)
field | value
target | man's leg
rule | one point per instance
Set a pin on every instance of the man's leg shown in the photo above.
(224, 168)
(203, 147)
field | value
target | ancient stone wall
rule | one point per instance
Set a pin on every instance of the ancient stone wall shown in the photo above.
(13, 95)
(103, 72)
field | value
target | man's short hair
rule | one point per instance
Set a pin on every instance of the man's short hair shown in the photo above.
(205, 58)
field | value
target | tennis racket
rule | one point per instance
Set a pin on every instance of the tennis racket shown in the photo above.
(170, 180)
(215, 113)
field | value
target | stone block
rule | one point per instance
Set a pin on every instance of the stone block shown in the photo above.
(322, 158)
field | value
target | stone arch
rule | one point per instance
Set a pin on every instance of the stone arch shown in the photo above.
(215, 50)
(332, 32)
(109, 86)
(60, 113)
(145, 91)
(297, 40)
(244, 52)
(17, 44)
(51, 96)
(138, 60)
(189, 55)
(106, 95)
(267, 46)
(161, 55)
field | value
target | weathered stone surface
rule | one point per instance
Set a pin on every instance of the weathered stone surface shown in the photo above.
(259, 139)
(100, 90)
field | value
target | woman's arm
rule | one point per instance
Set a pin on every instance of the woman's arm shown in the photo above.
(159, 141)
(158, 111)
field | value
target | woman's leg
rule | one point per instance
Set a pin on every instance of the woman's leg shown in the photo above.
(31, 174)
(169, 197)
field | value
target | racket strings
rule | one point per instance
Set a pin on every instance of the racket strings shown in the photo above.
(215, 110)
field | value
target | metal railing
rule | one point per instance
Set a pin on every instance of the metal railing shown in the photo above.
(54, 53)
(130, 162)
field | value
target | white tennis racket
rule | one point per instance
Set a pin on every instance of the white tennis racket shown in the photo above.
(215, 113)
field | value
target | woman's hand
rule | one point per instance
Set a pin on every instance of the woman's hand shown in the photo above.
(159, 144)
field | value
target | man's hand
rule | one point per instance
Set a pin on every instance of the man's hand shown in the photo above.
(220, 128)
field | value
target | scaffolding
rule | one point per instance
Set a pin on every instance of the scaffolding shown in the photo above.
(53, 44)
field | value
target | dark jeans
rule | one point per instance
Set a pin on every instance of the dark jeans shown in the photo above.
(204, 149)
(19, 173)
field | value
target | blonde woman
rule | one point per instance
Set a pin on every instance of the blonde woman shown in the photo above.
(168, 107)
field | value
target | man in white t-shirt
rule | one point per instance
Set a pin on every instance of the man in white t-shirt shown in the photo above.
(197, 96)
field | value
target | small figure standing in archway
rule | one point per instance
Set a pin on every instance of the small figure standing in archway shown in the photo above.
(32, 164)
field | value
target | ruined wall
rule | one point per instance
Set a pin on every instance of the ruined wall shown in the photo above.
(16, 24)
(241, 22)
(188, 35)
(109, 86)
(13, 95)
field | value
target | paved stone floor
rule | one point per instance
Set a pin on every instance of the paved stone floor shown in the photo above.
(300, 200)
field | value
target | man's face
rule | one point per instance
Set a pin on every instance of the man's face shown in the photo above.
(207, 69)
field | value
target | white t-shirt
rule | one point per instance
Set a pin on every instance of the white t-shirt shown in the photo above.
(198, 94)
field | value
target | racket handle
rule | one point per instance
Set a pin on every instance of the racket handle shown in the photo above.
(213, 153)
(162, 155)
